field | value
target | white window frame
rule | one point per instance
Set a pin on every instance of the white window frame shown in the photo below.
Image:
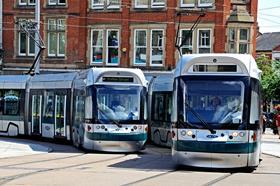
(247, 42)
(56, 3)
(97, 5)
(158, 4)
(204, 4)
(134, 47)
(57, 32)
(112, 6)
(151, 47)
(27, 45)
(141, 6)
(181, 39)
(210, 39)
(91, 46)
(189, 5)
(26, 3)
(107, 47)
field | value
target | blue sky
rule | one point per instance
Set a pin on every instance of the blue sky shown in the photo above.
(269, 15)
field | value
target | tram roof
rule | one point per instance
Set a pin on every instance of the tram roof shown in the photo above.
(59, 80)
(13, 81)
(95, 74)
(245, 62)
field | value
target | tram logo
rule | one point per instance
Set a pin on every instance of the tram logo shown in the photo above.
(212, 136)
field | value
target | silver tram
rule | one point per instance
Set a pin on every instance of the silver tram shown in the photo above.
(160, 106)
(101, 109)
(216, 111)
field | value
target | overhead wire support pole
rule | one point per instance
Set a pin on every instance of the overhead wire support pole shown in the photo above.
(32, 30)
(37, 37)
(195, 24)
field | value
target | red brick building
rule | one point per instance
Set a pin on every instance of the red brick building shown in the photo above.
(127, 33)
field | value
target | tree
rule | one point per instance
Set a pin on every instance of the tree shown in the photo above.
(270, 78)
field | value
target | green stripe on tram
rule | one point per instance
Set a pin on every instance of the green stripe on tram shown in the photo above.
(215, 147)
(116, 136)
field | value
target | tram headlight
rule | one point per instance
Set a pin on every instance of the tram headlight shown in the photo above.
(183, 133)
(189, 133)
(97, 127)
(102, 127)
(235, 134)
(241, 134)
(135, 127)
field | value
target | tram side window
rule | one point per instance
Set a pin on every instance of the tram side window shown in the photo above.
(79, 114)
(254, 111)
(1, 102)
(10, 101)
(161, 107)
(48, 112)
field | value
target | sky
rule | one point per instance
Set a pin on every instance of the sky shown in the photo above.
(269, 15)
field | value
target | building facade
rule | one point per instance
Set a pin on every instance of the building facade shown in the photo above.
(125, 33)
(269, 44)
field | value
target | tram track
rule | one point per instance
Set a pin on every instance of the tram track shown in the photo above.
(41, 161)
(8, 179)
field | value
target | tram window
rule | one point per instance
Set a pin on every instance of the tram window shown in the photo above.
(48, 112)
(79, 109)
(161, 107)
(254, 116)
(1, 102)
(11, 102)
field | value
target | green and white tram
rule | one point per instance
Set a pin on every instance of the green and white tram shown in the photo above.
(216, 111)
(115, 113)
(101, 109)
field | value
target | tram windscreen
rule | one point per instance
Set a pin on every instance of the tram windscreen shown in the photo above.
(118, 102)
(218, 103)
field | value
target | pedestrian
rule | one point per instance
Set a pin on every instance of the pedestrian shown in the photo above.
(264, 122)
(277, 119)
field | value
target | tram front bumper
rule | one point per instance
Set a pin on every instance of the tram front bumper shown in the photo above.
(210, 160)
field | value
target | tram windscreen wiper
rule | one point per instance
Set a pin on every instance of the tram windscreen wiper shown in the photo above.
(109, 118)
(201, 119)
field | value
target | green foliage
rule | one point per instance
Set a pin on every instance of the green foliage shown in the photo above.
(270, 77)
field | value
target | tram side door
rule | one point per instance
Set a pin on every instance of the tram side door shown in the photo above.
(60, 115)
(36, 114)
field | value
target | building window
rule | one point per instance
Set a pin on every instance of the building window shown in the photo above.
(105, 4)
(244, 41)
(140, 47)
(204, 41)
(27, 2)
(150, 3)
(57, 2)
(26, 44)
(187, 3)
(186, 38)
(97, 46)
(111, 47)
(56, 37)
(155, 48)
(196, 3)
(205, 3)
(238, 40)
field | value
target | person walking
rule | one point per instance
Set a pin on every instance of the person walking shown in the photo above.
(277, 119)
